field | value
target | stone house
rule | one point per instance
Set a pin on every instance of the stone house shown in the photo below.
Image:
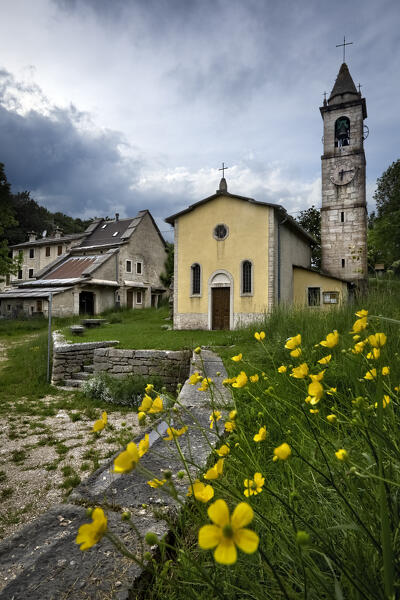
(116, 263)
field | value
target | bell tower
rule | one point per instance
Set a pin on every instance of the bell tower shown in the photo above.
(344, 208)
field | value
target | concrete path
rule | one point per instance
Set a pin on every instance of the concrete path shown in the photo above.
(43, 562)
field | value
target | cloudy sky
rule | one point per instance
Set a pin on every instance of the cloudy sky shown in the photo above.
(118, 105)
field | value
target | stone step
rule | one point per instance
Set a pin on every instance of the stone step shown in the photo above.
(73, 383)
(82, 376)
(88, 368)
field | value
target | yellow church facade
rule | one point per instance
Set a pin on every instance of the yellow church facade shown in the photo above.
(234, 261)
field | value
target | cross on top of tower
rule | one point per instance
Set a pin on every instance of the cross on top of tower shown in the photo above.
(223, 169)
(344, 47)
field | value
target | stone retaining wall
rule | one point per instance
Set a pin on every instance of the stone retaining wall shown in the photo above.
(69, 359)
(172, 366)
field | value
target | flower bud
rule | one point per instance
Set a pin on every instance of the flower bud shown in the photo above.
(302, 538)
(126, 515)
(167, 474)
(147, 556)
(89, 511)
(181, 474)
(151, 539)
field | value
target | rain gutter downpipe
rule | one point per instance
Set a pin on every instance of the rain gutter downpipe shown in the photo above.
(279, 255)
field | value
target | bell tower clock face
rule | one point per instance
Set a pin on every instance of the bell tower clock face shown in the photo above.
(343, 174)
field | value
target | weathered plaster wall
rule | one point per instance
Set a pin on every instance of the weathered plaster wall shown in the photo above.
(303, 279)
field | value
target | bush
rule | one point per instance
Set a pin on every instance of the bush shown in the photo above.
(126, 391)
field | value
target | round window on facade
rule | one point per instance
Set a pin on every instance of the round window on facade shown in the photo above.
(221, 231)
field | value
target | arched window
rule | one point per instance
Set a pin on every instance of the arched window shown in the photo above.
(195, 279)
(342, 132)
(247, 277)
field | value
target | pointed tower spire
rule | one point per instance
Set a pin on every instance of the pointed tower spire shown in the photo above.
(344, 84)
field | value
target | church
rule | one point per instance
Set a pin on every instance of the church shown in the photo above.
(236, 258)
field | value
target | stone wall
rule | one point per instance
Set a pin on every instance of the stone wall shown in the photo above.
(172, 366)
(69, 359)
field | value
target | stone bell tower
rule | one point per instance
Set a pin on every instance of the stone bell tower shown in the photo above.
(344, 208)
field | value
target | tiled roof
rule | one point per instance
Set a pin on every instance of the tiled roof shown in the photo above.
(49, 241)
(111, 232)
(344, 83)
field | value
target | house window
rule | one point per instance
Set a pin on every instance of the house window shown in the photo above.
(30, 273)
(330, 297)
(247, 277)
(47, 250)
(31, 253)
(20, 274)
(314, 296)
(343, 263)
(59, 250)
(139, 297)
(342, 217)
(129, 266)
(195, 269)
(220, 232)
(139, 268)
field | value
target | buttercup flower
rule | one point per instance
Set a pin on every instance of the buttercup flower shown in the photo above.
(228, 532)
(385, 370)
(385, 401)
(374, 354)
(359, 325)
(230, 425)
(237, 358)
(223, 451)
(233, 414)
(143, 445)
(342, 454)
(318, 377)
(197, 350)
(293, 342)
(141, 416)
(195, 378)
(214, 417)
(254, 378)
(91, 533)
(331, 418)
(296, 352)
(259, 336)
(253, 486)
(201, 491)
(241, 380)
(331, 391)
(377, 340)
(261, 435)
(205, 384)
(216, 470)
(100, 423)
(325, 359)
(127, 460)
(282, 369)
(314, 411)
(172, 433)
(370, 375)
(282, 452)
(331, 340)
(359, 347)
(157, 406)
(229, 381)
(149, 388)
(300, 372)
(156, 483)
(361, 313)
(315, 391)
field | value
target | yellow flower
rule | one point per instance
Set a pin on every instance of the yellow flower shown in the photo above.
(314, 411)
(370, 374)
(282, 452)
(331, 418)
(141, 416)
(228, 381)
(282, 369)
(359, 325)
(377, 340)
(293, 342)
(230, 425)
(216, 470)
(237, 358)
(356, 337)
(300, 372)
(91, 533)
(127, 460)
(253, 486)
(385, 370)
(325, 359)
(331, 340)
(331, 391)
(223, 451)
(156, 483)
(359, 347)
(146, 404)
(149, 388)
(205, 384)
(318, 377)
(157, 406)
(100, 423)
(361, 313)
(214, 417)
(201, 491)
(315, 390)
(385, 401)
(374, 354)
(342, 454)
(172, 433)
(261, 435)
(259, 336)
(195, 378)
(228, 532)
(296, 353)
(254, 378)
(241, 380)
(197, 350)
(143, 445)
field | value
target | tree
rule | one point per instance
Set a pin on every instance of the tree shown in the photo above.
(386, 224)
(8, 265)
(310, 219)
(166, 276)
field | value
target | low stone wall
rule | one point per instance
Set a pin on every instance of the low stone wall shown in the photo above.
(172, 366)
(69, 359)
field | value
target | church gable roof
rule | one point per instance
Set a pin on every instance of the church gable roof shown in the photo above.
(344, 83)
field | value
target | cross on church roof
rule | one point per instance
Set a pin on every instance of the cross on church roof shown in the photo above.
(344, 47)
(223, 169)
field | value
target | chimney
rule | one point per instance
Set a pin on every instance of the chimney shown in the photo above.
(117, 216)
(32, 236)
(58, 232)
